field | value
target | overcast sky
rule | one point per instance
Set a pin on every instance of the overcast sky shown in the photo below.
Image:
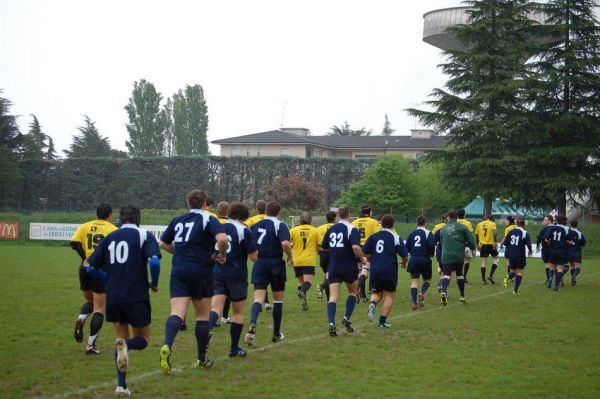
(329, 61)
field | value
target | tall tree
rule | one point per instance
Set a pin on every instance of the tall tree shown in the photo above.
(483, 108)
(346, 130)
(34, 142)
(50, 150)
(11, 142)
(387, 127)
(566, 129)
(146, 125)
(190, 121)
(169, 134)
(89, 142)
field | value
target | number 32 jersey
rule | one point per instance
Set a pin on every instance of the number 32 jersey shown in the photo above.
(339, 239)
(91, 233)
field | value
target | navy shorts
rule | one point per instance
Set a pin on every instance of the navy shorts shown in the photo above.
(558, 256)
(324, 260)
(378, 285)
(235, 290)
(517, 263)
(135, 314)
(546, 254)
(488, 250)
(456, 268)
(575, 257)
(343, 277)
(419, 266)
(87, 283)
(194, 285)
(302, 270)
(269, 271)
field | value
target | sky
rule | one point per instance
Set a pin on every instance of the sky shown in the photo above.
(310, 64)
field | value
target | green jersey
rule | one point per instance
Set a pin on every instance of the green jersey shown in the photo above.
(454, 238)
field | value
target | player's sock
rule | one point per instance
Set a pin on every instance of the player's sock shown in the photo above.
(547, 273)
(362, 284)
(483, 273)
(213, 317)
(86, 309)
(95, 326)
(577, 271)
(266, 296)
(444, 284)
(121, 376)
(467, 265)
(305, 286)
(461, 286)
(374, 303)
(254, 312)
(425, 287)
(299, 288)
(326, 287)
(277, 316)
(226, 308)
(202, 338)
(518, 282)
(331, 308)
(136, 343)
(550, 274)
(382, 319)
(494, 267)
(172, 326)
(350, 304)
(413, 294)
(235, 331)
(511, 275)
(557, 279)
(572, 272)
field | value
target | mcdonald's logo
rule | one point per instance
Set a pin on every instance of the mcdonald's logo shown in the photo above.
(9, 230)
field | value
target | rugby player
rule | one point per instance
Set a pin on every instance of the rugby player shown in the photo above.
(304, 251)
(454, 237)
(121, 259)
(515, 243)
(438, 249)
(366, 226)
(541, 243)
(558, 256)
(382, 249)
(343, 242)
(231, 277)
(261, 213)
(222, 208)
(510, 225)
(273, 239)
(324, 254)
(461, 219)
(576, 243)
(421, 246)
(208, 207)
(190, 238)
(84, 241)
(485, 238)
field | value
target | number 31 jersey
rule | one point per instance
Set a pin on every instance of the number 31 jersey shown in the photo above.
(91, 233)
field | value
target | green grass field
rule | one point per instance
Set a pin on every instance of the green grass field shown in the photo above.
(541, 344)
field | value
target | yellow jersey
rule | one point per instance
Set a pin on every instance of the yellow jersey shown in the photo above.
(211, 213)
(466, 223)
(485, 232)
(304, 245)
(366, 227)
(255, 219)
(223, 220)
(91, 233)
(509, 228)
(437, 227)
(321, 230)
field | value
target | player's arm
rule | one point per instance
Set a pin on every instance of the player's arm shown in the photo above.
(403, 252)
(152, 253)
(251, 248)
(166, 239)
(286, 245)
(470, 240)
(95, 263)
(78, 247)
(582, 241)
(528, 244)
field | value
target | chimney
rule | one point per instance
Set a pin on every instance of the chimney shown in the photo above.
(300, 131)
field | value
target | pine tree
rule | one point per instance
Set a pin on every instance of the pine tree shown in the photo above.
(89, 142)
(50, 150)
(11, 142)
(387, 127)
(169, 134)
(146, 125)
(34, 142)
(346, 130)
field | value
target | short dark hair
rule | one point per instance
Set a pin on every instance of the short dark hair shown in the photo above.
(130, 214)
(238, 211)
(343, 211)
(209, 201)
(387, 221)
(549, 217)
(461, 213)
(520, 222)
(561, 219)
(261, 206)
(421, 220)
(365, 210)
(273, 208)
(103, 211)
(452, 214)
(491, 217)
(574, 223)
(330, 217)
(305, 218)
(510, 219)
(196, 198)
(222, 208)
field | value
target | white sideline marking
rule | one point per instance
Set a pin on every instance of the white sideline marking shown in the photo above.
(148, 374)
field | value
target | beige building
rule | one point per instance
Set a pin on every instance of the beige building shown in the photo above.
(300, 143)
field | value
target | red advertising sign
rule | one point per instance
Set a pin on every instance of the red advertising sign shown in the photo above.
(9, 230)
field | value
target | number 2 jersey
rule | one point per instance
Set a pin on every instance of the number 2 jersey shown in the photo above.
(193, 236)
(123, 255)
(91, 233)
(384, 248)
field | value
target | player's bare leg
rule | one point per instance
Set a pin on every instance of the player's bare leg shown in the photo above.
(386, 308)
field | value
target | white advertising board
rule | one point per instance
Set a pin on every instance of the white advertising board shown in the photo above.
(64, 231)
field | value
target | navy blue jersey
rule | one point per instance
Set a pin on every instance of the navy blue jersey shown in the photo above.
(556, 236)
(421, 243)
(193, 237)
(339, 239)
(384, 248)
(516, 242)
(540, 237)
(123, 255)
(578, 240)
(268, 234)
(240, 245)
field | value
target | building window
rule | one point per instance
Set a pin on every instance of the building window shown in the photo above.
(235, 152)
(258, 152)
(249, 151)
(285, 151)
(318, 153)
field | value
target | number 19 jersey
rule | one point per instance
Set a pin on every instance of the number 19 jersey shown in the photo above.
(91, 233)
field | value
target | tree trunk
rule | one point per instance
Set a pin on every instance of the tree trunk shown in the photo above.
(561, 204)
(487, 207)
